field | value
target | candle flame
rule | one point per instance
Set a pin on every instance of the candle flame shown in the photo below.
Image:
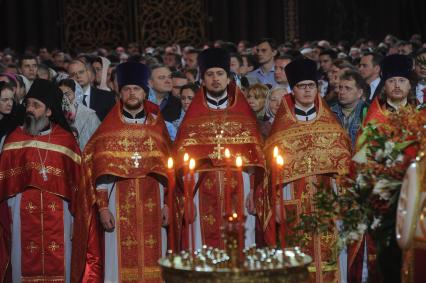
(191, 164)
(230, 218)
(239, 161)
(235, 215)
(186, 157)
(280, 160)
(227, 153)
(275, 151)
(170, 163)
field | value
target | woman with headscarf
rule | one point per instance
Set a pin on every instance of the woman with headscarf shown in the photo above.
(101, 65)
(82, 120)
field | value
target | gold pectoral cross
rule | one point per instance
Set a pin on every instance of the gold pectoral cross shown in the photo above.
(218, 148)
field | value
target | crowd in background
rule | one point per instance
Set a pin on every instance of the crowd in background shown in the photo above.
(349, 78)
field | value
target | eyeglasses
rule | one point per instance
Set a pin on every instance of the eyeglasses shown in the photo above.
(305, 86)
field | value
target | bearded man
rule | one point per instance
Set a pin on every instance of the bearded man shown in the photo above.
(39, 181)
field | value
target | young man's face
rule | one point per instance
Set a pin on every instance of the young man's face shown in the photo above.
(305, 93)
(397, 88)
(29, 68)
(216, 80)
(265, 53)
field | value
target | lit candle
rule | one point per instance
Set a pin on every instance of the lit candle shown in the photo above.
(191, 204)
(240, 209)
(228, 187)
(186, 195)
(274, 196)
(280, 163)
(171, 183)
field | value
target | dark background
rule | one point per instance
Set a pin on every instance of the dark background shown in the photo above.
(42, 22)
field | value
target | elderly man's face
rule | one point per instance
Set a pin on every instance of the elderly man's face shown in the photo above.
(161, 80)
(37, 116)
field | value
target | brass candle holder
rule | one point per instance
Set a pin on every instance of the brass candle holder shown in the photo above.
(234, 265)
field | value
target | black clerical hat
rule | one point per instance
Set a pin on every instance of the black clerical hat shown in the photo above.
(301, 70)
(47, 92)
(397, 65)
(213, 58)
(133, 73)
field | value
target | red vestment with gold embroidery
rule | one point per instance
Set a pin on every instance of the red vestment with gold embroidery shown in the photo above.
(136, 155)
(41, 208)
(204, 134)
(313, 152)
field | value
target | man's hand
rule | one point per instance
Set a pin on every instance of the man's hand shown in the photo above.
(251, 208)
(107, 219)
(165, 216)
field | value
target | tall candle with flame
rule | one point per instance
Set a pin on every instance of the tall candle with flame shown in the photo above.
(280, 163)
(228, 187)
(191, 202)
(171, 183)
(240, 208)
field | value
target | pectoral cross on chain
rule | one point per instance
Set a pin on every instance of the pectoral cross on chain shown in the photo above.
(136, 157)
(218, 148)
(43, 173)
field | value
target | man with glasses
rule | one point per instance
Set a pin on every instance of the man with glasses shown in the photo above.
(315, 148)
(99, 100)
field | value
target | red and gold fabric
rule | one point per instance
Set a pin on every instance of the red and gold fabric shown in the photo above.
(136, 154)
(204, 134)
(42, 227)
(313, 151)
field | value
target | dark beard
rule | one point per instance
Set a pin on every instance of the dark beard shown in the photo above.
(33, 126)
(216, 94)
(135, 106)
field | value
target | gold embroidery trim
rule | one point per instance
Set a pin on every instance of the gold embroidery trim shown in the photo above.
(46, 146)
(27, 167)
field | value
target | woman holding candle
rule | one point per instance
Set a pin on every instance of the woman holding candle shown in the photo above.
(314, 147)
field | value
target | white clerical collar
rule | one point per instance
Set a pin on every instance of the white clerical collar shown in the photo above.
(397, 106)
(138, 119)
(46, 132)
(217, 103)
(305, 113)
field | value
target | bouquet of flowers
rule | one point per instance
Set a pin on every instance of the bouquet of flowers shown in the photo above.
(370, 193)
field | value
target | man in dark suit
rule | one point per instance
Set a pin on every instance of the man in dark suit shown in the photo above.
(161, 93)
(369, 67)
(99, 100)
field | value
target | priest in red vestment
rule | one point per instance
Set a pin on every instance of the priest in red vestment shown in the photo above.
(397, 93)
(39, 183)
(315, 148)
(126, 164)
(220, 118)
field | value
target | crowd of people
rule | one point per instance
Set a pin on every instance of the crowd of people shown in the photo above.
(84, 139)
